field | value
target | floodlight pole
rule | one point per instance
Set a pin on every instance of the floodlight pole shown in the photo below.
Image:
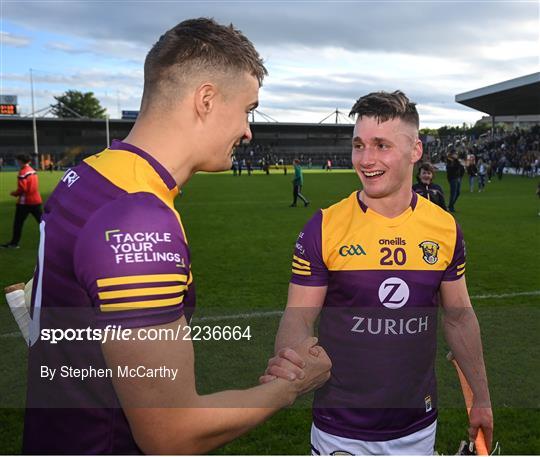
(107, 130)
(36, 149)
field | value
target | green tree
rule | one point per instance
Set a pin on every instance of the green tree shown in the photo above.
(74, 103)
(431, 132)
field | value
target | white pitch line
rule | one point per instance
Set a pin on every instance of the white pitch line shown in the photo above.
(258, 314)
(11, 335)
(513, 294)
(254, 314)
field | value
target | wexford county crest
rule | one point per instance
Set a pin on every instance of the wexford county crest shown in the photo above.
(430, 250)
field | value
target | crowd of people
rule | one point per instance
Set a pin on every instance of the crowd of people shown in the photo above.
(518, 150)
(255, 156)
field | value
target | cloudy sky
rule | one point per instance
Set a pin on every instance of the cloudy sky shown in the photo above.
(321, 55)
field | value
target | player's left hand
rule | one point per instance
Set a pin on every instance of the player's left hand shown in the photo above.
(287, 364)
(13, 194)
(481, 418)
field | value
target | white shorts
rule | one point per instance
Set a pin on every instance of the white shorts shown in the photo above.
(421, 442)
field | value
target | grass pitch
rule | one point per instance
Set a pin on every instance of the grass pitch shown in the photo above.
(241, 233)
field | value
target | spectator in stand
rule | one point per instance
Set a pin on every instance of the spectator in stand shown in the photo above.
(28, 199)
(234, 165)
(454, 172)
(482, 171)
(472, 170)
(425, 186)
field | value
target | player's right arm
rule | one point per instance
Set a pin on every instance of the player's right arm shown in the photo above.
(304, 305)
(307, 292)
(170, 417)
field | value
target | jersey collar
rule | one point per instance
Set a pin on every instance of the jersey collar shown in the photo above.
(160, 169)
(390, 222)
(364, 207)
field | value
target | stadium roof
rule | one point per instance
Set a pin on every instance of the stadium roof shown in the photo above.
(515, 97)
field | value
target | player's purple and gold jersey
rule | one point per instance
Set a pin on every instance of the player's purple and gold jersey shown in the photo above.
(379, 319)
(112, 251)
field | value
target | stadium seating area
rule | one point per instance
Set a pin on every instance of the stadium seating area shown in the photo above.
(315, 157)
(519, 149)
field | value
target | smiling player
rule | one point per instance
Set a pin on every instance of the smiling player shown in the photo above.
(373, 266)
(113, 252)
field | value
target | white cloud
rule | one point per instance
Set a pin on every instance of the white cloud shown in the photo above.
(18, 41)
(321, 55)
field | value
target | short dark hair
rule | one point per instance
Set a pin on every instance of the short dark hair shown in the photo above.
(195, 46)
(385, 106)
(426, 166)
(24, 158)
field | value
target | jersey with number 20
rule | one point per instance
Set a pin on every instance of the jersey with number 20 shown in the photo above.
(379, 319)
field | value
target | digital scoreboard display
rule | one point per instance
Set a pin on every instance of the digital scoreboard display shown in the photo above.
(7, 109)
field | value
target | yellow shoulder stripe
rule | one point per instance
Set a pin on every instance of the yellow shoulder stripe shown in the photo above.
(300, 267)
(459, 273)
(302, 261)
(301, 272)
(140, 292)
(124, 280)
(141, 304)
(461, 266)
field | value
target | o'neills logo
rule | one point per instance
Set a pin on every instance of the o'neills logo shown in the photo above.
(390, 326)
(398, 241)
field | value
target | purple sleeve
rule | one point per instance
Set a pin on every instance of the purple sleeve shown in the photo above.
(308, 268)
(133, 261)
(456, 269)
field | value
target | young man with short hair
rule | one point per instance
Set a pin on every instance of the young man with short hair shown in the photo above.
(373, 266)
(114, 253)
(28, 199)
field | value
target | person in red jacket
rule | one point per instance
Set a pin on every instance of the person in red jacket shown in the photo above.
(28, 199)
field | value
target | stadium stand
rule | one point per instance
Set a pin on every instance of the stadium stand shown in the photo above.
(68, 141)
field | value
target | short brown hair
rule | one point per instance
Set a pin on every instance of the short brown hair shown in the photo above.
(426, 166)
(385, 106)
(198, 46)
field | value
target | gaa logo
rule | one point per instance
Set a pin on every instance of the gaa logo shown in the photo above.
(393, 293)
(352, 249)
